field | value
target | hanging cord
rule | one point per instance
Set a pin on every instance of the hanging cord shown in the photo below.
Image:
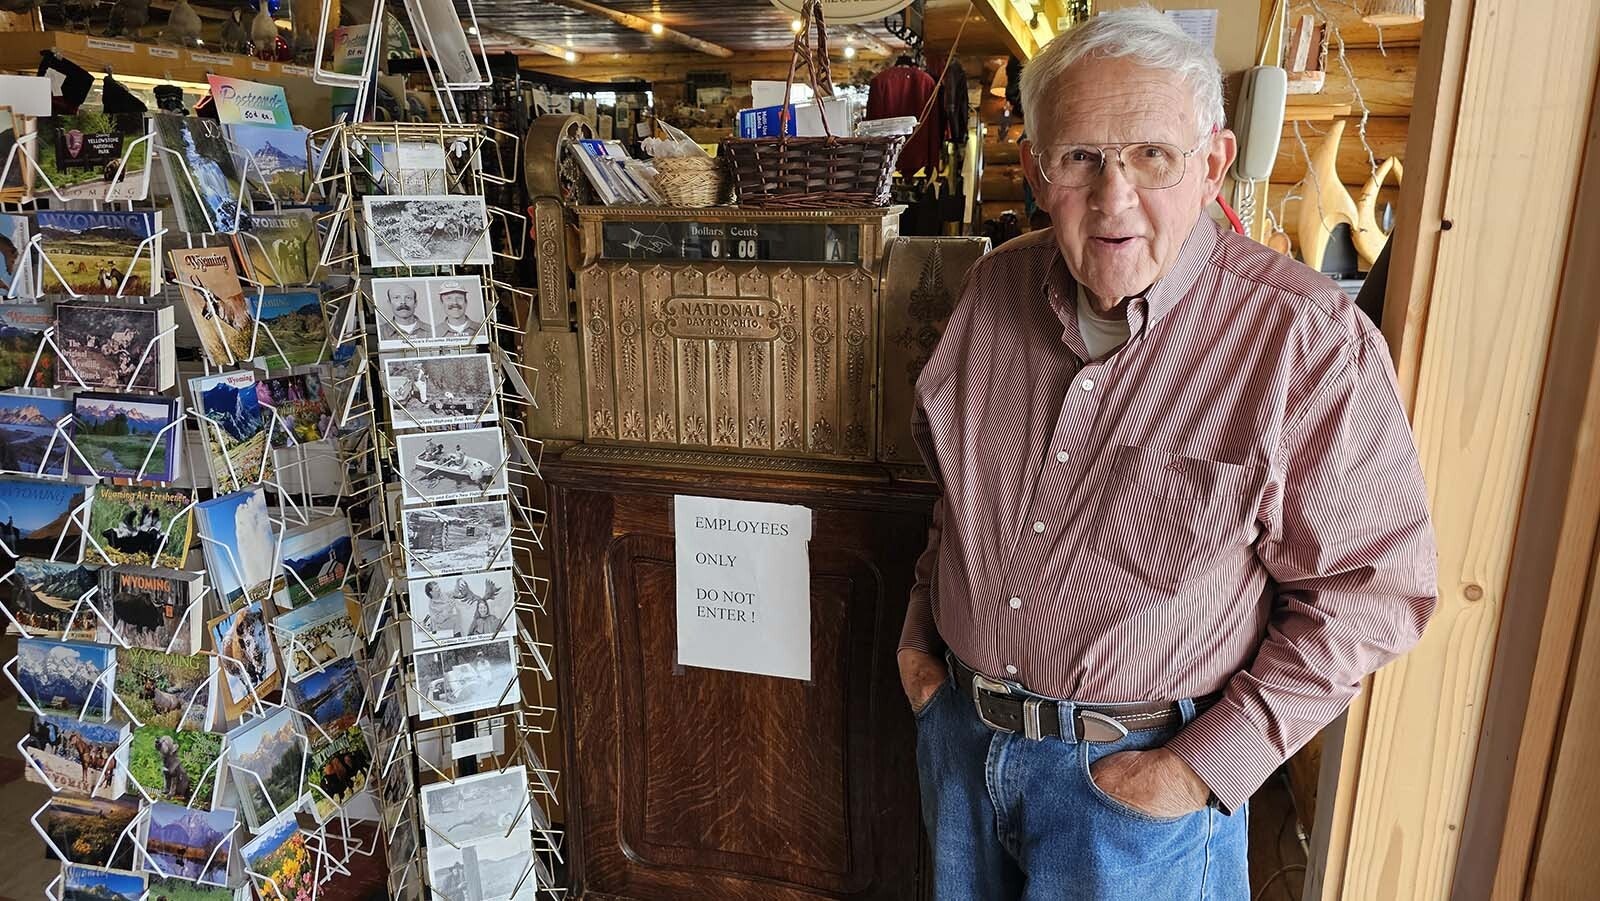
(939, 85)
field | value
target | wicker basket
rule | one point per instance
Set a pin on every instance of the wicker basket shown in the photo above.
(692, 180)
(809, 173)
(812, 173)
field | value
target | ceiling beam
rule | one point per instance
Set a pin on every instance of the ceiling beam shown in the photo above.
(640, 23)
(1023, 40)
(864, 40)
(494, 38)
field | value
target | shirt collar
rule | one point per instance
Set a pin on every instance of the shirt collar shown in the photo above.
(1144, 310)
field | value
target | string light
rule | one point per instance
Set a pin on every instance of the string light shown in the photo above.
(656, 28)
(849, 52)
(569, 56)
(796, 25)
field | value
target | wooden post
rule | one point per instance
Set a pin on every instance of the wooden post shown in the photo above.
(1471, 306)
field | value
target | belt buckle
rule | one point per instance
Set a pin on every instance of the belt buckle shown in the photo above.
(980, 682)
(1030, 707)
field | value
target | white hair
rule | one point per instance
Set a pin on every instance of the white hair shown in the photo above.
(1140, 34)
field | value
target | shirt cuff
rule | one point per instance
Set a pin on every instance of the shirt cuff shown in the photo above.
(1228, 752)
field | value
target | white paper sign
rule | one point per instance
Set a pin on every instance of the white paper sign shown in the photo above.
(27, 95)
(744, 586)
(1200, 24)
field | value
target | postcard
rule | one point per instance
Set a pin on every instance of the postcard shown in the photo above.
(48, 597)
(427, 230)
(36, 516)
(19, 276)
(173, 888)
(128, 436)
(191, 843)
(491, 869)
(132, 524)
(242, 546)
(441, 466)
(150, 608)
(251, 666)
(293, 331)
(22, 346)
(318, 553)
(465, 677)
(81, 883)
(476, 807)
(237, 428)
(302, 406)
(65, 677)
(161, 689)
(30, 441)
(120, 348)
(465, 537)
(448, 389)
(100, 253)
(207, 192)
(87, 830)
(314, 635)
(209, 282)
(332, 696)
(280, 861)
(416, 312)
(281, 173)
(176, 765)
(87, 758)
(339, 768)
(453, 608)
(267, 759)
(94, 156)
(407, 167)
(280, 247)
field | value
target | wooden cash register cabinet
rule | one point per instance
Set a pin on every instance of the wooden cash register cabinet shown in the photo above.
(750, 355)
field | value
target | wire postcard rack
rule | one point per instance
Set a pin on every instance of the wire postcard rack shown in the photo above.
(438, 710)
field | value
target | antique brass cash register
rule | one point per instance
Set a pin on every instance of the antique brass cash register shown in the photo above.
(753, 355)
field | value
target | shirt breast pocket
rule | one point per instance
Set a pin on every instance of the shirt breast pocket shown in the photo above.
(1168, 518)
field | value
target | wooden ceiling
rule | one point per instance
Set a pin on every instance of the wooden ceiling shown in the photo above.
(738, 25)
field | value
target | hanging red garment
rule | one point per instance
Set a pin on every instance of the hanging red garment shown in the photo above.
(904, 90)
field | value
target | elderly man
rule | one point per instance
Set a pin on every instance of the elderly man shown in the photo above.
(1181, 515)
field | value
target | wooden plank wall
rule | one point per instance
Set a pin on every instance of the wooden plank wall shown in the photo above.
(1474, 368)
(1384, 66)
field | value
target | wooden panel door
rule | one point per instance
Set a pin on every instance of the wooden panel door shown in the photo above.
(689, 782)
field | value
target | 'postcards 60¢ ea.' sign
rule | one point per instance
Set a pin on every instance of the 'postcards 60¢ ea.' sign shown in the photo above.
(241, 102)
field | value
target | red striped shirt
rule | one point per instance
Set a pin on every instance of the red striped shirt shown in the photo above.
(1231, 501)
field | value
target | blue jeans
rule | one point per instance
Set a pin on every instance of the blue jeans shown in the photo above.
(1010, 817)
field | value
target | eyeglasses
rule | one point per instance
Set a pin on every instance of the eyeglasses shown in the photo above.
(1151, 164)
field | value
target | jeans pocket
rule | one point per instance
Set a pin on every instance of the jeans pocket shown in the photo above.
(1110, 802)
(944, 688)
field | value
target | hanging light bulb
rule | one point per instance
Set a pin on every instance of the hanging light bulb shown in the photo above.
(849, 52)
(569, 56)
(796, 25)
(656, 28)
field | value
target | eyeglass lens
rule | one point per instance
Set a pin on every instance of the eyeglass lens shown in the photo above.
(1148, 165)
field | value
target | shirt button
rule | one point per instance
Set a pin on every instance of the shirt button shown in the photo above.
(1038, 527)
(1015, 603)
(1087, 384)
(1062, 456)
(1011, 670)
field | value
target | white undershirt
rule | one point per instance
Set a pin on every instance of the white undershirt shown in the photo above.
(1101, 336)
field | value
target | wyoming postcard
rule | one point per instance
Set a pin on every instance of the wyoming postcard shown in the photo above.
(108, 253)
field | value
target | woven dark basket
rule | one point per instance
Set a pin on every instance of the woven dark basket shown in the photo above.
(812, 173)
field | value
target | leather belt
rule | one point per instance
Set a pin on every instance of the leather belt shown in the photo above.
(1003, 708)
